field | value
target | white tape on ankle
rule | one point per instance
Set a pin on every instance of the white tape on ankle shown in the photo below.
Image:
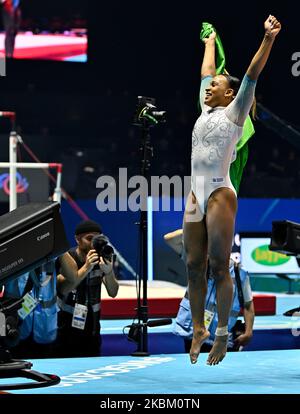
(222, 331)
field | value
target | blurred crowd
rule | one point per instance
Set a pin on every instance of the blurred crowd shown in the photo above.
(94, 135)
(54, 25)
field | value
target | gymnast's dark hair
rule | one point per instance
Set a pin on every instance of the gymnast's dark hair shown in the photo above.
(235, 83)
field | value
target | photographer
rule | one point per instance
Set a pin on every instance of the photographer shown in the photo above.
(79, 290)
(239, 334)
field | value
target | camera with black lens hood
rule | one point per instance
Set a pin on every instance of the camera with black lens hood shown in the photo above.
(101, 244)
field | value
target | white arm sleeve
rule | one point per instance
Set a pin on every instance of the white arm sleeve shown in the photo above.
(238, 110)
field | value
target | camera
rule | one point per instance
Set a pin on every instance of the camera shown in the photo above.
(285, 237)
(101, 244)
(238, 329)
(147, 113)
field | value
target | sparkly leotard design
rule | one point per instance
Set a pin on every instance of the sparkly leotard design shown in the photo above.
(215, 135)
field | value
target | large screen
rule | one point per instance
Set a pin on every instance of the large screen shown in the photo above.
(257, 258)
(47, 30)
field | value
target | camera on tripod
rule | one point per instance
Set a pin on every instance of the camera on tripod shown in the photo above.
(285, 238)
(101, 244)
(147, 113)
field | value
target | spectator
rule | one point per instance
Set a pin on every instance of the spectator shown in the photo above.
(37, 329)
(239, 334)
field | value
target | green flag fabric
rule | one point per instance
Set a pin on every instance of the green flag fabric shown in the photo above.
(237, 167)
(207, 29)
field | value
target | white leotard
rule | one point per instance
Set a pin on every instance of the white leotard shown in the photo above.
(215, 135)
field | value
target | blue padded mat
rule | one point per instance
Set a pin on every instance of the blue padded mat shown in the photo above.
(257, 372)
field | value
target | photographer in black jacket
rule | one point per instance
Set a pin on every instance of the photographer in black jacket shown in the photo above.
(79, 291)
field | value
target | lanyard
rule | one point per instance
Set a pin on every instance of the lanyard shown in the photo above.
(210, 293)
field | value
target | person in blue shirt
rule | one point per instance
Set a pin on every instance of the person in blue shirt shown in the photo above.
(36, 328)
(11, 17)
(183, 327)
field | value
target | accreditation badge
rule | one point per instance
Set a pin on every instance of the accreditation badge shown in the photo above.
(208, 317)
(79, 316)
(28, 305)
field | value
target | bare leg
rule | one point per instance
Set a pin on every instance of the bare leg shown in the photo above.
(195, 244)
(220, 220)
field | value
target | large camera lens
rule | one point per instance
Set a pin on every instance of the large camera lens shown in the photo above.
(107, 250)
(100, 244)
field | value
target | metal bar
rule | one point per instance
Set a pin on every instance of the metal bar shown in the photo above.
(12, 165)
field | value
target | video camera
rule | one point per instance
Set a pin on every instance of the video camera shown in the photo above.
(147, 113)
(285, 238)
(31, 236)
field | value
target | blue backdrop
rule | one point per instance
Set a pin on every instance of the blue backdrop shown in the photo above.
(254, 215)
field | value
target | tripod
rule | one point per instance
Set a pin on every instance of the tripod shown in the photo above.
(16, 368)
(146, 117)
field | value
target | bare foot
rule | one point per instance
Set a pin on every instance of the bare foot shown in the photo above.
(198, 339)
(218, 350)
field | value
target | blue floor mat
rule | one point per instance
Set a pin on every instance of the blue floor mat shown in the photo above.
(261, 372)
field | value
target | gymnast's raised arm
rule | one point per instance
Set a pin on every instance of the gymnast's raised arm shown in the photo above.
(272, 28)
(208, 68)
(238, 110)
